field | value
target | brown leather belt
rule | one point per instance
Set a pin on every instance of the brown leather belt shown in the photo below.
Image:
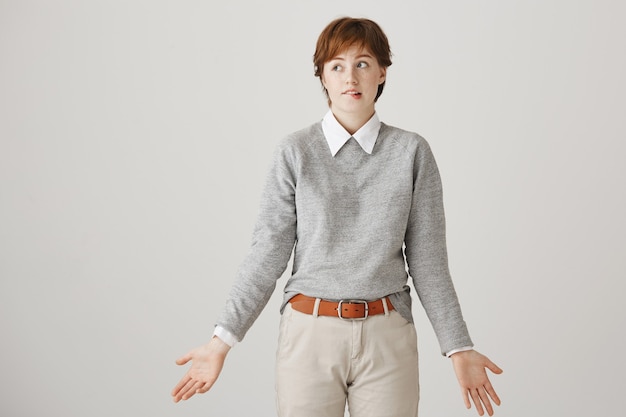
(344, 309)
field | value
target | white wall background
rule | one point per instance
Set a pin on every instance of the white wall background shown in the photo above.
(134, 137)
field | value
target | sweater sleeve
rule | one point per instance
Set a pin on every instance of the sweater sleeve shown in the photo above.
(273, 240)
(426, 254)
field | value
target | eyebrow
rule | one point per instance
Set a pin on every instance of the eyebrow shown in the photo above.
(357, 57)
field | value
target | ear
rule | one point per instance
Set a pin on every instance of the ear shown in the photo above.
(383, 75)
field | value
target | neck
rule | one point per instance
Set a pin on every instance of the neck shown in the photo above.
(352, 122)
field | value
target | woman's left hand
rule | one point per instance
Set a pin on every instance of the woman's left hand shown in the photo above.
(470, 371)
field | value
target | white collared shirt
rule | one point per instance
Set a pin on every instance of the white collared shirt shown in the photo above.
(337, 136)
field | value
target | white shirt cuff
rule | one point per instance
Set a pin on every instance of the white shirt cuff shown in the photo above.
(226, 336)
(462, 349)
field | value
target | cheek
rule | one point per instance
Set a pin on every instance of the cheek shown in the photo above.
(325, 83)
(329, 83)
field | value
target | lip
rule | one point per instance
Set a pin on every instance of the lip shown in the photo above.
(352, 93)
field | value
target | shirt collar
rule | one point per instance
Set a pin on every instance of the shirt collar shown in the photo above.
(337, 136)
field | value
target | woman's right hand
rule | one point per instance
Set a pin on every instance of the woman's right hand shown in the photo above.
(206, 364)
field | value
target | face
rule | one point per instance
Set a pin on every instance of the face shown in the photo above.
(352, 79)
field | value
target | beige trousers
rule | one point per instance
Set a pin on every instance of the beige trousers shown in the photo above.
(324, 362)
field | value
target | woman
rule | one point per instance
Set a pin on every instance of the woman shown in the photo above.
(360, 201)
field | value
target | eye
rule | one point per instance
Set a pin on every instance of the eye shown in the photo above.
(336, 68)
(362, 64)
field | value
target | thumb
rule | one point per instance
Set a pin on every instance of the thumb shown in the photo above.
(493, 367)
(183, 359)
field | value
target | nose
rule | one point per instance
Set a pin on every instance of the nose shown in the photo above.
(351, 76)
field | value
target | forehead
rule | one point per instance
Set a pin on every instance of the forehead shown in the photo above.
(352, 51)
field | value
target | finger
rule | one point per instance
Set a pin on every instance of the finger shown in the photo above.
(466, 399)
(180, 395)
(485, 400)
(204, 388)
(180, 385)
(492, 393)
(477, 403)
(190, 389)
(193, 390)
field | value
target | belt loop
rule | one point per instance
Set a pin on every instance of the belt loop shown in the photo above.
(316, 307)
(384, 299)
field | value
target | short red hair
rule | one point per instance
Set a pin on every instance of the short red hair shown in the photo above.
(341, 34)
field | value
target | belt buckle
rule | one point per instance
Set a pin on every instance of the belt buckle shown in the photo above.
(353, 302)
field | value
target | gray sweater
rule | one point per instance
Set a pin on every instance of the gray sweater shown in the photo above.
(354, 219)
